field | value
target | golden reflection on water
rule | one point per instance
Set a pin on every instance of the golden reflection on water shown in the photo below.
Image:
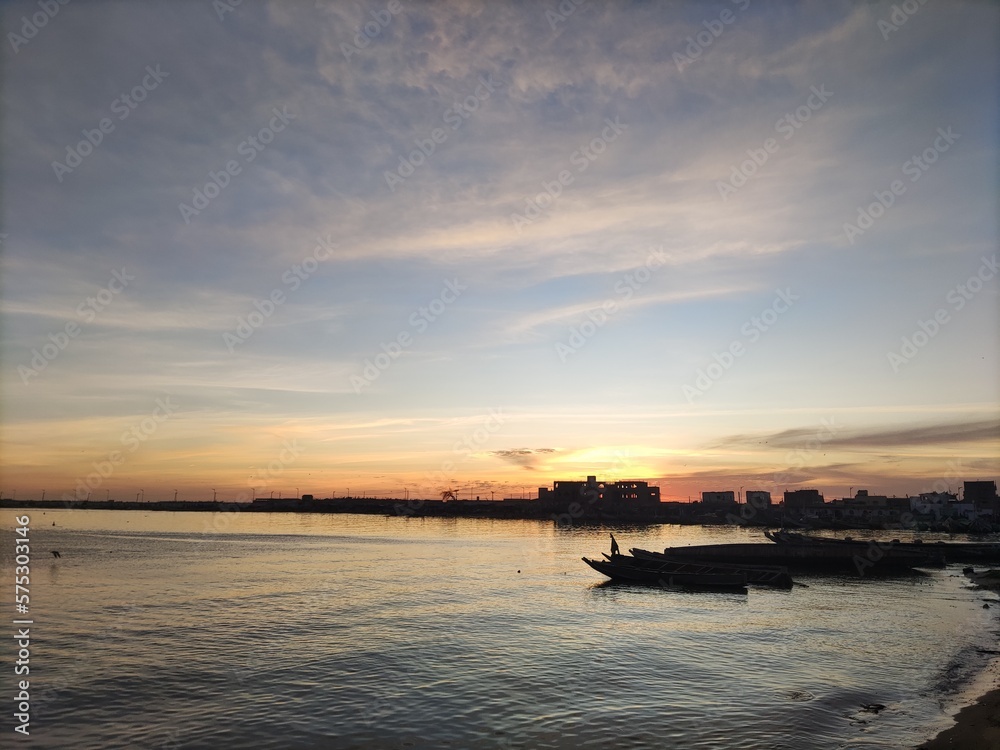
(369, 629)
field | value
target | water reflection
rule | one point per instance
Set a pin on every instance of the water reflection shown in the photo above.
(344, 631)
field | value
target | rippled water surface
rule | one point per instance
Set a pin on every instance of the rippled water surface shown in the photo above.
(189, 630)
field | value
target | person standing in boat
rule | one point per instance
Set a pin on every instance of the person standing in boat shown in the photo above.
(614, 546)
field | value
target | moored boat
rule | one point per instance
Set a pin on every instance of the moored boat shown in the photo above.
(862, 558)
(761, 575)
(957, 552)
(619, 570)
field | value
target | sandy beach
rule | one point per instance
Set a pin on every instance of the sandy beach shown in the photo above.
(977, 726)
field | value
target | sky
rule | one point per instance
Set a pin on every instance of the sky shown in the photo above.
(399, 247)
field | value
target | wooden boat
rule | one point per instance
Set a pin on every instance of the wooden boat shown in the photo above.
(761, 575)
(862, 559)
(708, 581)
(958, 552)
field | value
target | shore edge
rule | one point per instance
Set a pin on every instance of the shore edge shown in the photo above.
(977, 725)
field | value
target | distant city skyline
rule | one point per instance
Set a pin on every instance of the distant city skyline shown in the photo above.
(398, 245)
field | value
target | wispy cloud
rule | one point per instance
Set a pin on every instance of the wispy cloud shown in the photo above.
(945, 435)
(526, 458)
(357, 116)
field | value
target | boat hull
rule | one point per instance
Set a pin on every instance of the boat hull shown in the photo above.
(861, 558)
(622, 571)
(760, 575)
(942, 552)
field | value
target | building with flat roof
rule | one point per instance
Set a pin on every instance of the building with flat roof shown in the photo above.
(593, 499)
(759, 498)
(802, 499)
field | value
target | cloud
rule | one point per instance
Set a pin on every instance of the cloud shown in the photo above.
(937, 434)
(656, 185)
(526, 458)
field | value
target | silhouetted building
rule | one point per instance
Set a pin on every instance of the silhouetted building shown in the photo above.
(981, 494)
(759, 498)
(713, 500)
(802, 499)
(593, 499)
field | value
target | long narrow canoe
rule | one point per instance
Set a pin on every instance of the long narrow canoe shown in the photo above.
(959, 552)
(861, 558)
(761, 575)
(618, 571)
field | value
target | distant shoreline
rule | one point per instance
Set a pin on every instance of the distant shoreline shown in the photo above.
(506, 510)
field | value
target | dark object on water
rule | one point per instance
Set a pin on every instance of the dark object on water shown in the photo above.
(952, 552)
(614, 546)
(707, 580)
(55, 554)
(800, 555)
(873, 708)
(761, 575)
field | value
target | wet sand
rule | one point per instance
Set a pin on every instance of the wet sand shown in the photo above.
(977, 727)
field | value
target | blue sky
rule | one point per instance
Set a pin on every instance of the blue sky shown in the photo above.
(636, 117)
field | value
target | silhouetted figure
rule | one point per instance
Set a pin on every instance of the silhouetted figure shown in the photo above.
(614, 546)
(55, 554)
